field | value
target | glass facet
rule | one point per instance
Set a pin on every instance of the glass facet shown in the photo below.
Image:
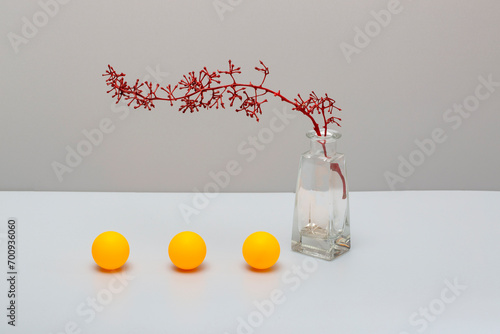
(321, 216)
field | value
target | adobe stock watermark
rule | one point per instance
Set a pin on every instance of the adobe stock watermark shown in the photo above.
(223, 6)
(373, 28)
(247, 149)
(48, 9)
(93, 138)
(87, 311)
(291, 279)
(453, 117)
(421, 319)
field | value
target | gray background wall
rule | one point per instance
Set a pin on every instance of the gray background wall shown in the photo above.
(397, 84)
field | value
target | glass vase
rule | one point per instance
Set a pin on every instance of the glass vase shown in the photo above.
(321, 216)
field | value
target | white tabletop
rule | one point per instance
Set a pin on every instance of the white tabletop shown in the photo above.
(420, 262)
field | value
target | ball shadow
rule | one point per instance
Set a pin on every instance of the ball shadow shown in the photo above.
(274, 268)
(125, 267)
(200, 268)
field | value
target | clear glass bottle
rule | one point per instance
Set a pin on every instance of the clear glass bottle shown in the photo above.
(321, 217)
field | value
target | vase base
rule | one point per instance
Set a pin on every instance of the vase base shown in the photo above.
(316, 247)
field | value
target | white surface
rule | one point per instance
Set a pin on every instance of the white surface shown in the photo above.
(396, 90)
(405, 246)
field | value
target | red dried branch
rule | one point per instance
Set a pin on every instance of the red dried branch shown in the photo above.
(205, 90)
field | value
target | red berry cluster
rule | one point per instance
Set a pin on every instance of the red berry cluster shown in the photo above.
(206, 89)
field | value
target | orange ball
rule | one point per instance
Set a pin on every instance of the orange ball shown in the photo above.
(110, 250)
(187, 250)
(261, 250)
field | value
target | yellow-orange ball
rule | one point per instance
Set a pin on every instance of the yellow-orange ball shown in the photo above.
(261, 250)
(187, 250)
(110, 250)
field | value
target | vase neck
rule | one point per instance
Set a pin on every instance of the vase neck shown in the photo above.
(324, 145)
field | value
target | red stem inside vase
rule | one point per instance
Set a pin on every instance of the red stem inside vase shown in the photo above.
(336, 168)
